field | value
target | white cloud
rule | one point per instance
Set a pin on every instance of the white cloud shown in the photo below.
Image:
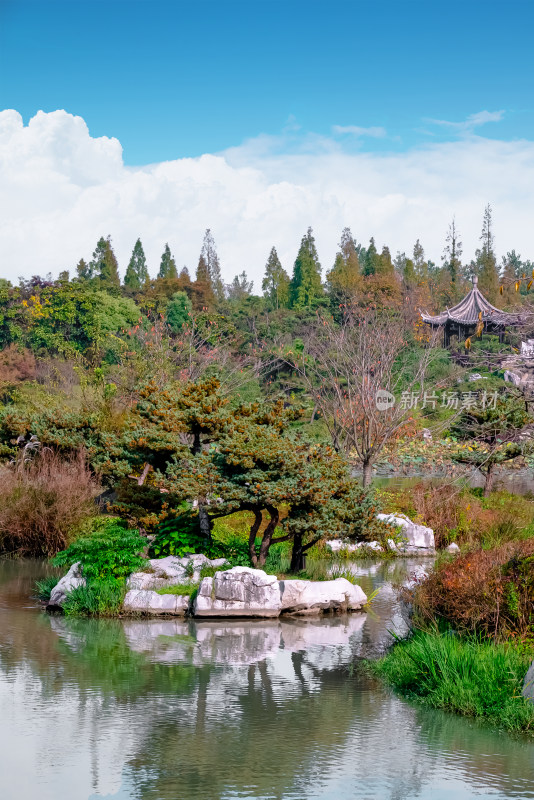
(355, 130)
(473, 121)
(60, 189)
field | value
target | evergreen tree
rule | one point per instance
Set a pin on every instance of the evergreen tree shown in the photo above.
(409, 275)
(204, 289)
(384, 263)
(344, 279)
(419, 263)
(240, 287)
(486, 262)
(104, 265)
(452, 253)
(306, 286)
(83, 270)
(136, 272)
(178, 311)
(167, 267)
(511, 271)
(275, 284)
(211, 260)
(370, 263)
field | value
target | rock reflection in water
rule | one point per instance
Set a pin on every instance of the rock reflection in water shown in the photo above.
(167, 709)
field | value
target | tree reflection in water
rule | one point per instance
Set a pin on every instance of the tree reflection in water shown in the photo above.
(172, 709)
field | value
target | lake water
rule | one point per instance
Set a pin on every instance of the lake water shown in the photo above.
(169, 710)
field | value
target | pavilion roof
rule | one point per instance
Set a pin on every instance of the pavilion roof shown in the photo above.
(468, 310)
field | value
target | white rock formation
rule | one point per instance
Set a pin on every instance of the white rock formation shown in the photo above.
(148, 602)
(315, 597)
(238, 592)
(418, 538)
(172, 570)
(453, 548)
(68, 582)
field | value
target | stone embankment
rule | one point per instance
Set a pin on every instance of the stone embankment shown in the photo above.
(236, 592)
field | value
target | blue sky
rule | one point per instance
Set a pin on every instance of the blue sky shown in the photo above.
(258, 119)
(174, 79)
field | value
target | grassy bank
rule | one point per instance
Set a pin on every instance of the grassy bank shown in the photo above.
(467, 676)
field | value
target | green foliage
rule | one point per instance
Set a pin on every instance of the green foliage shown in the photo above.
(178, 311)
(178, 536)
(167, 267)
(99, 598)
(43, 588)
(467, 676)
(275, 284)
(137, 272)
(306, 287)
(110, 551)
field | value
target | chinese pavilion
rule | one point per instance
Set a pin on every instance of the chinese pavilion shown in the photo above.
(462, 319)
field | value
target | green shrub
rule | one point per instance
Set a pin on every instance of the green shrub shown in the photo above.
(178, 536)
(110, 551)
(467, 676)
(99, 598)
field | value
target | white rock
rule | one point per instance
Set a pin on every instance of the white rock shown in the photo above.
(419, 574)
(336, 545)
(147, 602)
(528, 684)
(453, 548)
(68, 582)
(171, 570)
(418, 537)
(314, 597)
(238, 592)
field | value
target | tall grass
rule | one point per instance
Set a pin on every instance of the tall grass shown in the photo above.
(468, 676)
(43, 503)
(102, 598)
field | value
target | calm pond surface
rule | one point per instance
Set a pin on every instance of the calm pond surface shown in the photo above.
(169, 710)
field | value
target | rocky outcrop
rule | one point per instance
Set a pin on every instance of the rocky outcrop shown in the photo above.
(169, 571)
(418, 539)
(317, 597)
(238, 592)
(139, 601)
(63, 587)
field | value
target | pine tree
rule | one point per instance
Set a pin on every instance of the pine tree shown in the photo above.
(419, 263)
(167, 267)
(344, 279)
(211, 260)
(83, 270)
(452, 253)
(204, 289)
(306, 286)
(370, 263)
(136, 272)
(486, 262)
(384, 264)
(240, 287)
(104, 265)
(275, 284)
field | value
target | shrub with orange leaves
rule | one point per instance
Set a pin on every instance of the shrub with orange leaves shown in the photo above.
(488, 592)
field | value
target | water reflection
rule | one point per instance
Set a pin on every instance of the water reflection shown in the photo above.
(167, 709)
